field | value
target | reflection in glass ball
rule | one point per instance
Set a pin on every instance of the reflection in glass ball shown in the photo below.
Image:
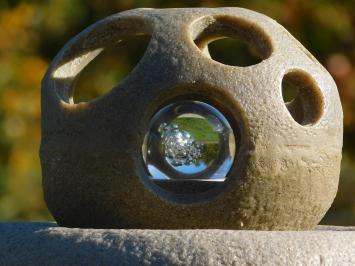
(180, 148)
(189, 141)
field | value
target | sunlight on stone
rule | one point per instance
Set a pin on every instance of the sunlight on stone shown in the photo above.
(72, 68)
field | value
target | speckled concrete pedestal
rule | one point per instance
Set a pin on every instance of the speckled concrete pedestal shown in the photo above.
(47, 244)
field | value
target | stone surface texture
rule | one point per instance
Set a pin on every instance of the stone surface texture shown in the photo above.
(46, 244)
(285, 174)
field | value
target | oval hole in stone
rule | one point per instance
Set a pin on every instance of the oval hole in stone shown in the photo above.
(109, 68)
(242, 55)
(231, 40)
(302, 97)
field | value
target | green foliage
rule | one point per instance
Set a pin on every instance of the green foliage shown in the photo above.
(199, 128)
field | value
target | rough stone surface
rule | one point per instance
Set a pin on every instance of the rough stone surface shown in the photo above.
(46, 244)
(285, 175)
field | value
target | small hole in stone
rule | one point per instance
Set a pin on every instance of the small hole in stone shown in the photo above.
(109, 68)
(231, 41)
(302, 97)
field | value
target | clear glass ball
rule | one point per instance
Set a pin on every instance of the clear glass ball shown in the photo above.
(189, 141)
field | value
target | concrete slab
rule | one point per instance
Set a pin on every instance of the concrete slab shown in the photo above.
(48, 244)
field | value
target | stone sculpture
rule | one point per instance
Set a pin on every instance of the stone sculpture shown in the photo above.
(263, 165)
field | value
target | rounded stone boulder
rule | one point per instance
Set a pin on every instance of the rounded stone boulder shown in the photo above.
(186, 141)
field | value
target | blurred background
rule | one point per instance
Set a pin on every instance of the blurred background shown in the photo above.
(32, 32)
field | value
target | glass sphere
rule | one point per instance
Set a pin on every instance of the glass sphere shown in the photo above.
(189, 141)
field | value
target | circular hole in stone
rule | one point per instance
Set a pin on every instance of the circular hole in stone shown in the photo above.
(302, 97)
(109, 68)
(231, 40)
(189, 147)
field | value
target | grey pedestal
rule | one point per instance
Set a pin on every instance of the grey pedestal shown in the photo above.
(47, 244)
